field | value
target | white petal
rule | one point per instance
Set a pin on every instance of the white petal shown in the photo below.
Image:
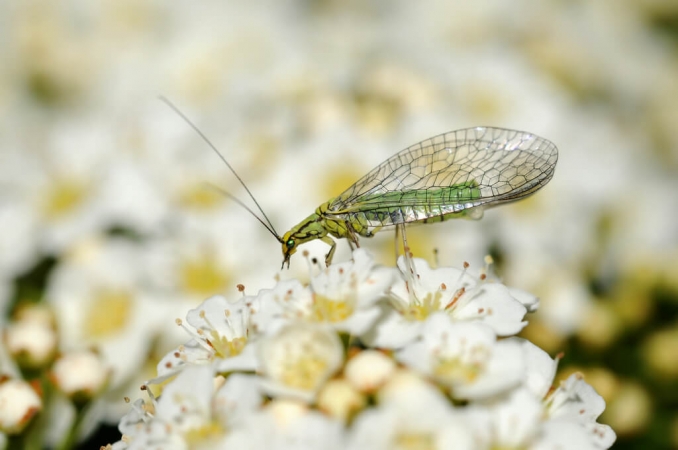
(407, 416)
(541, 368)
(493, 305)
(188, 397)
(530, 301)
(391, 331)
(504, 370)
(576, 399)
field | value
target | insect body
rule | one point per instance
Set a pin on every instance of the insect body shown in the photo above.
(456, 174)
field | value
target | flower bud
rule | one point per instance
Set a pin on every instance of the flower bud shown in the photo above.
(31, 342)
(19, 403)
(80, 375)
(369, 370)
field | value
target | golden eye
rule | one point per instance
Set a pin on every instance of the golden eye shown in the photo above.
(290, 243)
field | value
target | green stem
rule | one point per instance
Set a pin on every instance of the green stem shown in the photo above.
(71, 437)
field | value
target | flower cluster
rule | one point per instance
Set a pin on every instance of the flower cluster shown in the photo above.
(108, 231)
(365, 357)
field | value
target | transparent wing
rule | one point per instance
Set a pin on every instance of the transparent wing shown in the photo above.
(450, 173)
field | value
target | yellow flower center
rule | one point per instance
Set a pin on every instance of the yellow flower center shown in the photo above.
(225, 347)
(199, 196)
(202, 435)
(109, 312)
(330, 310)
(203, 276)
(419, 310)
(455, 370)
(63, 197)
(415, 441)
(305, 373)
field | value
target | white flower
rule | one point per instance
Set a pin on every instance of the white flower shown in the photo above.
(343, 296)
(221, 331)
(411, 415)
(287, 425)
(286, 302)
(195, 411)
(576, 401)
(19, 403)
(79, 185)
(519, 421)
(465, 357)
(511, 423)
(99, 300)
(298, 359)
(423, 291)
(192, 263)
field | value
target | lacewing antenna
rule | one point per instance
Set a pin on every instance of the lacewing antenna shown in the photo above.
(241, 203)
(267, 223)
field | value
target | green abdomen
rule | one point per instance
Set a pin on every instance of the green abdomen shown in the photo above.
(424, 205)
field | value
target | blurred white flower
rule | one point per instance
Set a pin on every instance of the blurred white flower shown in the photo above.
(79, 186)
(413, 415)
(298, 359)
(100, 300)
(287, 425)
(510, 423)
(195, 411)
(465, 357)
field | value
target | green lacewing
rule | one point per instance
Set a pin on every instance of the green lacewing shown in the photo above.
(452, 175)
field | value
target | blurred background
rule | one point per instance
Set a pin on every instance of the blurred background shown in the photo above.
(108, 228)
